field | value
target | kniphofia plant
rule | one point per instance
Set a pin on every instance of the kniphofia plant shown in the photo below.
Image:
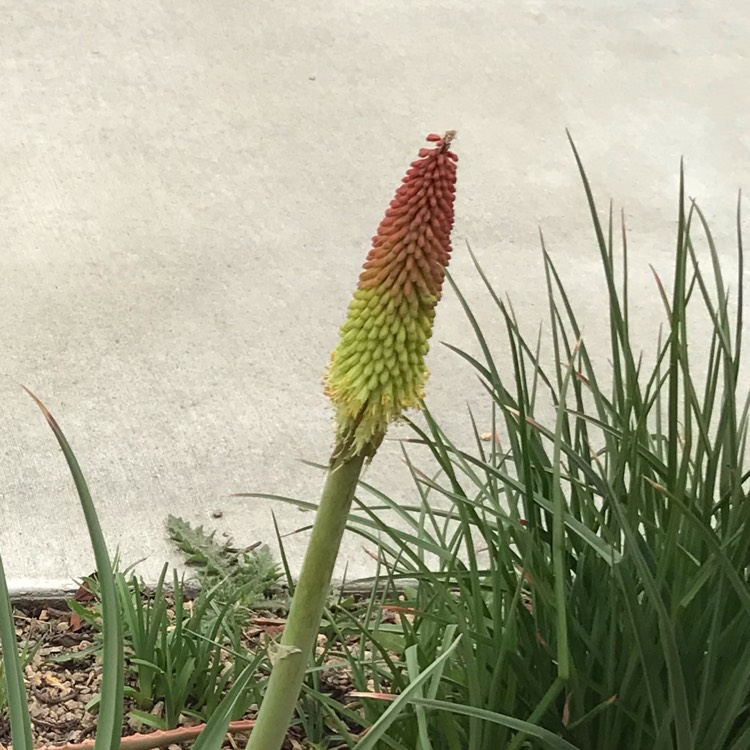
(376, 372)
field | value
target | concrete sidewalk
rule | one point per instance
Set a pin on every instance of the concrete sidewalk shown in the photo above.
(187, 194)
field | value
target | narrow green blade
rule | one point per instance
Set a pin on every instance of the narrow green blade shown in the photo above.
(20, 721)
(109, 726)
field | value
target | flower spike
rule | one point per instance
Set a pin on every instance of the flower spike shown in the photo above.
(376, 372)
(378, 369)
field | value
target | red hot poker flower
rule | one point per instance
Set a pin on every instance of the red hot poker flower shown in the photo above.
(378, 368)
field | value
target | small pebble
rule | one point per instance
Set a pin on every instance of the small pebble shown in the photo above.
(217, 513)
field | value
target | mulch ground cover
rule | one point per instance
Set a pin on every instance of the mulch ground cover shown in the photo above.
(64, 674)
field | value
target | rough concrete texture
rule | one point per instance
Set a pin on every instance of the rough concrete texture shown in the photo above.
(188, 190)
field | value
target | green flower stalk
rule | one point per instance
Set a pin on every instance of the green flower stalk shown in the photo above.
(377, 371)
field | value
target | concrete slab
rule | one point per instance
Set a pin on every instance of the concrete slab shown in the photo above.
(188, 191)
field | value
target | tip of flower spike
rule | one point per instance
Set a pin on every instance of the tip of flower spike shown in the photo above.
(446, 139)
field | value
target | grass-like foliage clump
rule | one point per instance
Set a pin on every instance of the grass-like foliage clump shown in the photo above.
(181, 653)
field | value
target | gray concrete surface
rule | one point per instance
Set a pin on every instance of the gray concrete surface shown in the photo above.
(188, 190)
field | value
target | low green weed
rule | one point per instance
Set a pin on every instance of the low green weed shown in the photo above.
(241, 576)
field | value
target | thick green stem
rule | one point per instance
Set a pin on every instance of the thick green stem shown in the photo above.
(301, 630)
